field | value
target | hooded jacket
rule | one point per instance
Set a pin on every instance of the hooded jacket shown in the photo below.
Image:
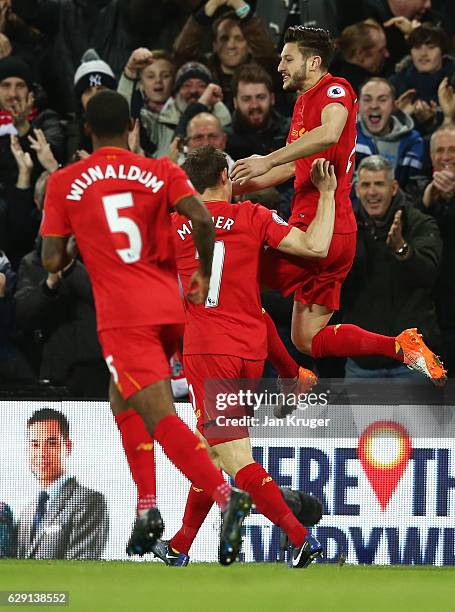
(385, 295)
(403, 146)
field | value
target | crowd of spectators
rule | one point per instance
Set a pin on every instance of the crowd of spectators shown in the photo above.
(197, 73)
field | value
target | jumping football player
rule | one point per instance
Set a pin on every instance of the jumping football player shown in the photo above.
(116, 204)
(323, 122)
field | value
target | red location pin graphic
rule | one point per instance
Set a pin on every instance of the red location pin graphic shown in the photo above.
(384, 450)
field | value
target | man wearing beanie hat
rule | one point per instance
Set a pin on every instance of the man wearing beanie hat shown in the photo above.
(19, 117)
(93, 75)
(194, 92)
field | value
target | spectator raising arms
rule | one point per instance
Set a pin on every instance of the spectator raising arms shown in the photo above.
(238, 37)
(19, 116)
(194, 93)
(150, 74)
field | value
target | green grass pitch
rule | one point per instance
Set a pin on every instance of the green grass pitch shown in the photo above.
(139, 587)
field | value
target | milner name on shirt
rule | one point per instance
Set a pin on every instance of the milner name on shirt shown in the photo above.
(223, 223)
(128, 173)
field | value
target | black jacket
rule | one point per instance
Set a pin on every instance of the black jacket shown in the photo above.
(385, 295)
(19, 223)
(47, 121)
(244, 140)
(64, 318)
(114, 28)
(425, 83)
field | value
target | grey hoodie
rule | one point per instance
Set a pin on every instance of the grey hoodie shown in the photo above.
(388, 144)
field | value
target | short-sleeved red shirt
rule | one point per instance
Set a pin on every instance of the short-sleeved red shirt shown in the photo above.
(117, 206)
(306, 117)
(231, 321)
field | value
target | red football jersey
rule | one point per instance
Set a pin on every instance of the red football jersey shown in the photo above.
(117, 206)
(306, 117)
(231, 321)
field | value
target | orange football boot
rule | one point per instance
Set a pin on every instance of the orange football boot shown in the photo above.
(300, 384)
(418, 357)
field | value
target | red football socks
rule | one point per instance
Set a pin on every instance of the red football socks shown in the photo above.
(277, 352)
(188, 453)
(197, 507)
(268, 500)
(138, 446)
(351, 341)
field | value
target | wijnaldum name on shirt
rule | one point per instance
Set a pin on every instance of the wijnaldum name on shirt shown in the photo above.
(93, 174)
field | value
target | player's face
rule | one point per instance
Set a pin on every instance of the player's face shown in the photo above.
(230, 44)
(202, 132)
(253, 102)
(192, 90)
(12, 90)
(292, 67)
(443, 151)
(156, 81)
(427, 57)
(375, 191)
(374, 58)
(47, 450)
(376, 105)
(88, 94)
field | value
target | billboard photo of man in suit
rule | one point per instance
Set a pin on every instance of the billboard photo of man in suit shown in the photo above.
(65, 520)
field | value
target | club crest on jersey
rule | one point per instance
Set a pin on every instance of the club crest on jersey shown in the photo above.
(336, 91)
(278, 219)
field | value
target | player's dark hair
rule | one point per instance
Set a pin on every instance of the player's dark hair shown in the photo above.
(49, 414)
(312, 41)
(251, 73)
(429, 34)
(204, 166)
(108, 114)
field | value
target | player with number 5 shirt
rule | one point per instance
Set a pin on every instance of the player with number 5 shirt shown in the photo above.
(117, 206)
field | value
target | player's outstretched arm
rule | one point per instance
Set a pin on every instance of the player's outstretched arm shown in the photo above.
(54, 254)
(273, 177)
(315, 242)
(333, 120)
(194, 209)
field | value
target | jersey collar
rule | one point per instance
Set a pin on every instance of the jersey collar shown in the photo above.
(326, 75)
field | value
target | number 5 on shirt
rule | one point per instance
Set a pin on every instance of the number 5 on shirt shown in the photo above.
(112, 204)
(216, 275)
